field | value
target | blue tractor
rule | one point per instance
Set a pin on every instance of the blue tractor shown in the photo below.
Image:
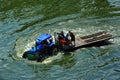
(43, 48)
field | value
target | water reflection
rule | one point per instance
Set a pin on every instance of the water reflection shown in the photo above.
(66, 62)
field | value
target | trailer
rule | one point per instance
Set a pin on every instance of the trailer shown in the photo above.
(96, 39)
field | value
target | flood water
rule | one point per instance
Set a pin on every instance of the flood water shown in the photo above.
(22, 21)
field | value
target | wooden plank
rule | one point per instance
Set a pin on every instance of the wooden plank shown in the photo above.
(96, 34)
(85, 40)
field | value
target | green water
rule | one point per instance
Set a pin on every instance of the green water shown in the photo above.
(22, 21)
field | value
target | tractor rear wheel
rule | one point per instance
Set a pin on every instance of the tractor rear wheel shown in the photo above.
(54, 51)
